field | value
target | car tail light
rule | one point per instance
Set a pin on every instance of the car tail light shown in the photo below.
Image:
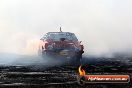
(48, 46)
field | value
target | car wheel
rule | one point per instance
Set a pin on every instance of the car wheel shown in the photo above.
(76, 61)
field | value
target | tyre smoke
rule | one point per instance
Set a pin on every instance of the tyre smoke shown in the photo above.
(104, 27)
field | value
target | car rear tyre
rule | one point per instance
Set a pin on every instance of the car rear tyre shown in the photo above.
(76, 61)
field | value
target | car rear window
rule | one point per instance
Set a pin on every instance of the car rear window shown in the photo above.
(58, 36)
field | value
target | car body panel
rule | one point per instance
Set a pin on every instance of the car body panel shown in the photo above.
(61, 44)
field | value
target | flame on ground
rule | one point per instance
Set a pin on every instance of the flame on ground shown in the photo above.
(81, 71)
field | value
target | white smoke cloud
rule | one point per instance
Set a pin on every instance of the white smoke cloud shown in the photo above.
(104, 26)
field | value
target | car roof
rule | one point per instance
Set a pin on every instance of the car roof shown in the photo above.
(58, 32)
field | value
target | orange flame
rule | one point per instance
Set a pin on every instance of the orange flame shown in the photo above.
(81, 71)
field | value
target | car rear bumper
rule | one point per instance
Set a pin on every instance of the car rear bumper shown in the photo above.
(61, 53)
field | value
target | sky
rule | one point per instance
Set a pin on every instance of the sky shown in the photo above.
(103, 26)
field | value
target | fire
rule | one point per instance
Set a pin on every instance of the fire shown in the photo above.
(81, 71)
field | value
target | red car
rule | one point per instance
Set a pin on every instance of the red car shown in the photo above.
(61, 45)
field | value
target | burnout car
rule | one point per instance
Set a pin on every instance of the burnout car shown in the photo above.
(64, 45)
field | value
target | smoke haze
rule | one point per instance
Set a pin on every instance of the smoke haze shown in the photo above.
(103, 26)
